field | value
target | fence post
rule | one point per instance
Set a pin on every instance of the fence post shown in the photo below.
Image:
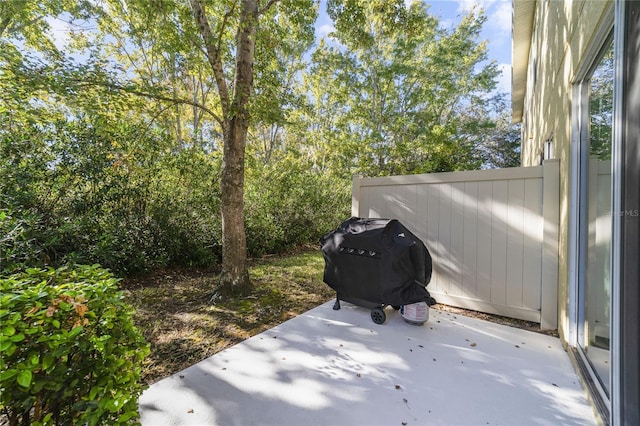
(551, 217)
(355, 196)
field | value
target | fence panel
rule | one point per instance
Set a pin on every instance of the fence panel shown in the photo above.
(492, 234)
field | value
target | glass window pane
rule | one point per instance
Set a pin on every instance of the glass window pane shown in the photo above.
(596, 289)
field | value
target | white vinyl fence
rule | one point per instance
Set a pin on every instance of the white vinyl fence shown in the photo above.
(598, 249)
(493, 234)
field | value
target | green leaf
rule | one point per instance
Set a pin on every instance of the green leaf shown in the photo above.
(8, 330)
(76, 331)
(127, 416)
(94, 391)
(24, 378)
(7, 374)
(10, 350)
(47, 362)
(43, 339)
(17, 338)
(38, 386)
(35, 359)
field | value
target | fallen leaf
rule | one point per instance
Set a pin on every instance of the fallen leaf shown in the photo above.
(81, 310)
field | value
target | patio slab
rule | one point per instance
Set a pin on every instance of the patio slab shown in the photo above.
(329, 367)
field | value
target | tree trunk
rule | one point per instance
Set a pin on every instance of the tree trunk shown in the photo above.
(234, 279)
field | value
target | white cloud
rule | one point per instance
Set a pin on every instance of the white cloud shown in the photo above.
(500, 16)
(498, 11)
(468, 5)
(324, 30)
(497, 28)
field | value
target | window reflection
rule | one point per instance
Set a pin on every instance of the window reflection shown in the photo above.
(596, 289)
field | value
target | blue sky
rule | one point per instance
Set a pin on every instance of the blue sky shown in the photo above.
(497, 29)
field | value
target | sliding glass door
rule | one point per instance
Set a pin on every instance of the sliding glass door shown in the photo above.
(594, 291)
(605, 205)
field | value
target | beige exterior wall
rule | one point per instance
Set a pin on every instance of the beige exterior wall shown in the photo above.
(561, 42)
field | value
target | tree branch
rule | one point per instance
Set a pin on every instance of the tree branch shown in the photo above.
(156, 96)
(225, 18)
(267, 6)
(4, 24)
(213, 54)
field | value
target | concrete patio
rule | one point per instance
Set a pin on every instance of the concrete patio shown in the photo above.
(328, 367)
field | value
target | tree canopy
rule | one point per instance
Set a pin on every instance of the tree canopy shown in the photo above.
(173, 132)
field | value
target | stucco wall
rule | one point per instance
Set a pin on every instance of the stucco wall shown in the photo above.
(562, 42)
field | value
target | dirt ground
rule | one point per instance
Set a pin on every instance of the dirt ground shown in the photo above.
(176, 316)
(512, 322)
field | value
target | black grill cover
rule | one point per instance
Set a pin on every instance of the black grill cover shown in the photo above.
(373, 262)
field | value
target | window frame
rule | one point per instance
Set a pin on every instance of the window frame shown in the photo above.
(604, 34)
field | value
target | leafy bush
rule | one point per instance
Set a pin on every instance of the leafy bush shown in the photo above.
(297, 206)
(17, 245)
(70, 351)
(98, 192)
(107, 192)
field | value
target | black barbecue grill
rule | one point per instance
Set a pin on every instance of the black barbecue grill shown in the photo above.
(374, 263)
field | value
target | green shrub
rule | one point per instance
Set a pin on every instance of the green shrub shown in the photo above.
(297, 207)
(70, 351)
(17, 245)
